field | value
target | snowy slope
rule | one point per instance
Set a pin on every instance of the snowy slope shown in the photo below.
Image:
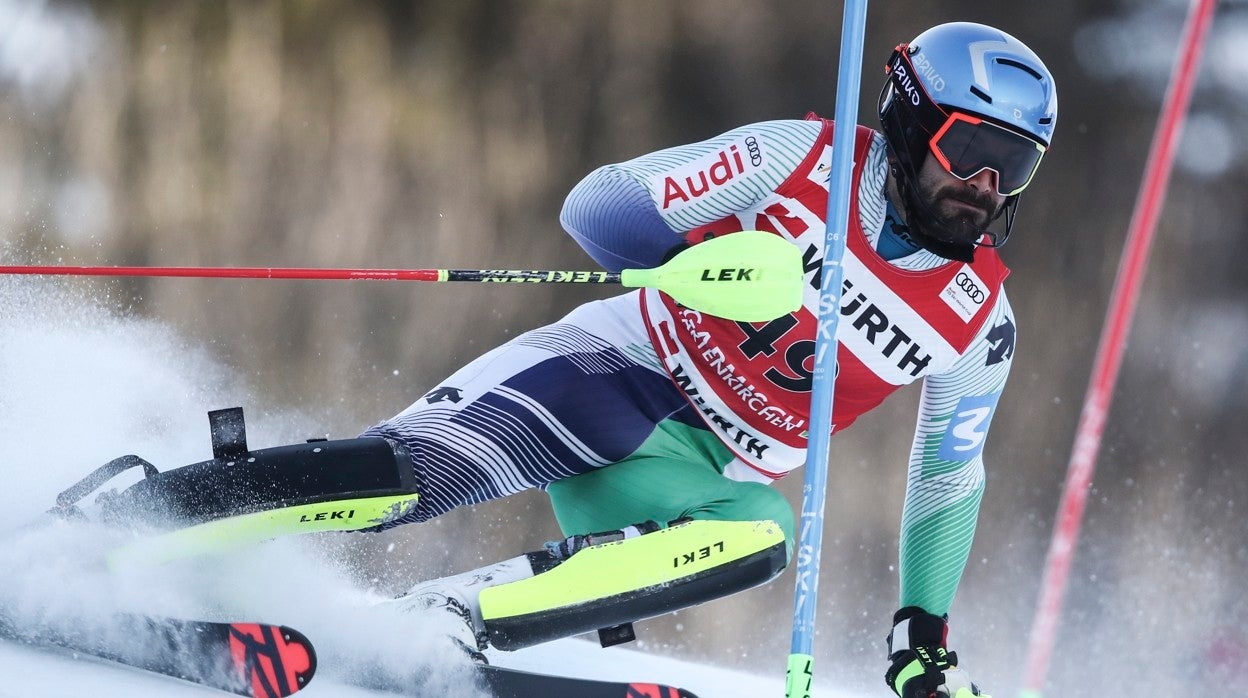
(80, 385)
(30, 672)
(52, 573)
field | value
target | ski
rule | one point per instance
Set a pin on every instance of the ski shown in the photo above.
(247, 659)
(501, 682)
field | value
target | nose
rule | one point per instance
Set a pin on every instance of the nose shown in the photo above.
(984, 180)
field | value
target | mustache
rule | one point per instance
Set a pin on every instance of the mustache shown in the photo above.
(981, 200)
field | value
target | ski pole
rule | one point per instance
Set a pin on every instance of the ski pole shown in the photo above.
(1110, 348)
(799, 677)
(748, 276)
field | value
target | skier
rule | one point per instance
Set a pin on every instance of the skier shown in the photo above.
(640, 417)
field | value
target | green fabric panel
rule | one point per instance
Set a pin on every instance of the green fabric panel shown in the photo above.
(933, 464)
(933, 555)
(676, 473)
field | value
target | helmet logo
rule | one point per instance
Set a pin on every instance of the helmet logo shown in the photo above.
(903, 78)
(979, 60)
(925, 68)
(1018, 113)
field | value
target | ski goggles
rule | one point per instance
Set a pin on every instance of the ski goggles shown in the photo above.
(966, 145)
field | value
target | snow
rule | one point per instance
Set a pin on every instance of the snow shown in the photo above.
(40, 673)
(82, 385)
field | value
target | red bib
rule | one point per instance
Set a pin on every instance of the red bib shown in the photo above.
(752, 381)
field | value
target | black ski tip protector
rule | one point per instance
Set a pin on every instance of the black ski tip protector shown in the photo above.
(229, 432)
(616, 635)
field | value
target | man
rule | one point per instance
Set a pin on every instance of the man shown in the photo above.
(641, 417)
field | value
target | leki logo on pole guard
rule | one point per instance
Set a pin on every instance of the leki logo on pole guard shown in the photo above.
(341, 515)
(700, 554)
(727, 274)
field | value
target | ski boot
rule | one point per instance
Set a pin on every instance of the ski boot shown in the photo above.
(457, 596)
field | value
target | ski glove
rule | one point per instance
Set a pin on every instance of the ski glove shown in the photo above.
(921, 665)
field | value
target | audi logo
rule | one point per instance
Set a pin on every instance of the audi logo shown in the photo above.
(966, 283)
(756, 155)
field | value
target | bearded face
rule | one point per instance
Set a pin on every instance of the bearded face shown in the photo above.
(963, 207)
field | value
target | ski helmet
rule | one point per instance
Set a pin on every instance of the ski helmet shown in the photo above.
(975, 98)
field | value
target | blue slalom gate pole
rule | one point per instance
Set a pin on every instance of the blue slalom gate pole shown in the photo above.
(800, 676)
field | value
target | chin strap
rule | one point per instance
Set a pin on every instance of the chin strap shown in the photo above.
(1010, 210)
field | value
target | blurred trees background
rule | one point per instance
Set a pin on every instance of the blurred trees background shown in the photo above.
(446, 133)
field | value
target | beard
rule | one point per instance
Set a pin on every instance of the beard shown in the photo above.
(962, 212)
(945, 215)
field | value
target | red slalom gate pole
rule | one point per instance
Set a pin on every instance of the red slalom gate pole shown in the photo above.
(232, 272)
(1110, 349)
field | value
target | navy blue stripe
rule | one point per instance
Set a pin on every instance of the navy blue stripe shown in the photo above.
(610, 413)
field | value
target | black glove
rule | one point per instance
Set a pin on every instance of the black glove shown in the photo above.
(921, 665)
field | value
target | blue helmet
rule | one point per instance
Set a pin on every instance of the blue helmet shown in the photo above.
(979, 70)
(975, 98)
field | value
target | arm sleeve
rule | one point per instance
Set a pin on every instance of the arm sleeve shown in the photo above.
(945, 481)
(610, 215)
(631, 214)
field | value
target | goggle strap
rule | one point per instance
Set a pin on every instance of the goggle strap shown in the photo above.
(901, 72)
